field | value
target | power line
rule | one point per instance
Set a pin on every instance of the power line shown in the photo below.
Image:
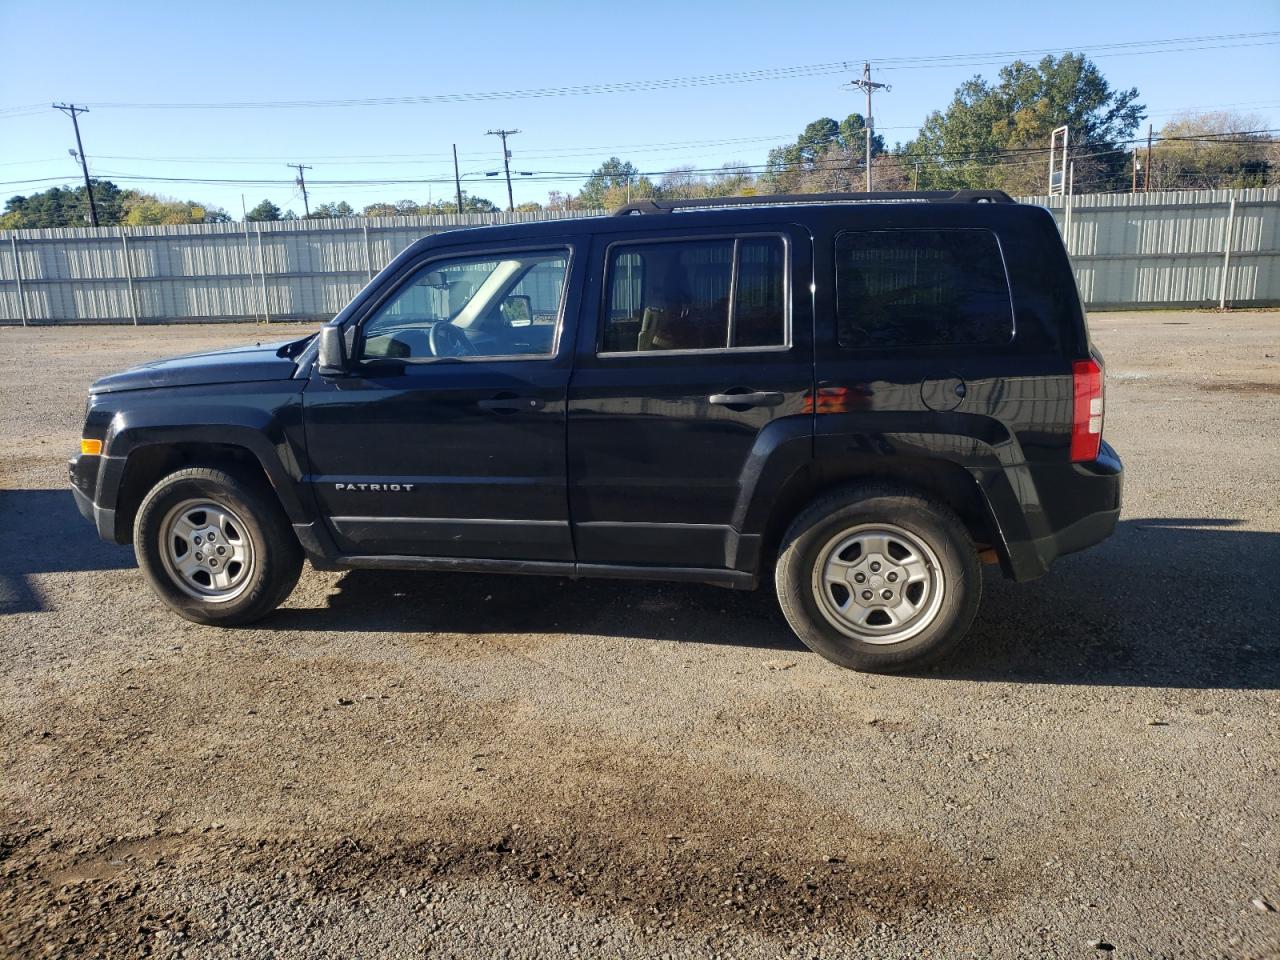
(1014, 156)
(1129, 48)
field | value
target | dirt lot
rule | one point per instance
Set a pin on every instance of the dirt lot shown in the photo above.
(408, 765)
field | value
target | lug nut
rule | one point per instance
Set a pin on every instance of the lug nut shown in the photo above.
(892, 578)
(199, 555)
(875, 567)
(213, 562)
(198, 540)
(221, 551)
(866, 594)
(211, 536)
(859, 578)
(886, 594)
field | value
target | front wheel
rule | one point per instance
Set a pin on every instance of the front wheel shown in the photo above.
(216, 547)
(878, 578)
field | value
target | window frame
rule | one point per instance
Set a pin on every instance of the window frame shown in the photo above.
(736, 237)
(894, 348)
(477, 253)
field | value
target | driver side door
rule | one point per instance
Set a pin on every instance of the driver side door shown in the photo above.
(447, 437)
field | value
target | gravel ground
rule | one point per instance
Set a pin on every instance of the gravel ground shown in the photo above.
(408, 765)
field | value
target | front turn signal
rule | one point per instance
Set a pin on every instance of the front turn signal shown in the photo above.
(91, 448)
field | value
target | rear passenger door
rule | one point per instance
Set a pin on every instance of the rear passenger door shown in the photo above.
(695, 352)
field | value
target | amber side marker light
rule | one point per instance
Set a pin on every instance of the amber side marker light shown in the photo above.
(91, 448)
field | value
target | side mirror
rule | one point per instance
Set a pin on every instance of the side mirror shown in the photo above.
(333, 351)
(518, 310)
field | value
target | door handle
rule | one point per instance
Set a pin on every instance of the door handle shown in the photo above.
(510, 404)
(746, 398)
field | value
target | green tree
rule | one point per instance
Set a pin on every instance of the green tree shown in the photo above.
(827, 156)
(614, 174)
(997, 135)
(263, 212)
(66, 207)
(332, 211)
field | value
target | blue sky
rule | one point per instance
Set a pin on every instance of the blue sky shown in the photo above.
(144, 52)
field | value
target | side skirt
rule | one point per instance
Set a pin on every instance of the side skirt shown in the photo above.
(734, 579)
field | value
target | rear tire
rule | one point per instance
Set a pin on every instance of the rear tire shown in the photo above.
(216, 547)
(879, 578)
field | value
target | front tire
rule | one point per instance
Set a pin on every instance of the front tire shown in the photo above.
(216, 547)
(878, 578)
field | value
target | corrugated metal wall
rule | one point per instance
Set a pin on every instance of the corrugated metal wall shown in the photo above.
(303, 269)
(1169, 249)
(1139, 250)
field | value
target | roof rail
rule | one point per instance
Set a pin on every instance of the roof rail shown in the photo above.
(781, 199)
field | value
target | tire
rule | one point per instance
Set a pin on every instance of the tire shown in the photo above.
(887, 536)
(216, 547)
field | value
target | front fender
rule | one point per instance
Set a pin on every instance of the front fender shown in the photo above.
(263, 418)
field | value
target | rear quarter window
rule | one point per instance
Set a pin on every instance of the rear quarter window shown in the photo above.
(920, 288)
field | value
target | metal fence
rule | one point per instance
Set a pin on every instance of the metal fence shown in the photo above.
(1203, 248)
(1186, 249)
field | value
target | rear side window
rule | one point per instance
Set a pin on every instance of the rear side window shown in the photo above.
(713, 294)
(916, 288)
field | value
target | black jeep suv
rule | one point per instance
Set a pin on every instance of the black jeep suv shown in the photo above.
(862, 396)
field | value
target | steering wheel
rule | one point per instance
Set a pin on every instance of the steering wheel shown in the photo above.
(446, 340)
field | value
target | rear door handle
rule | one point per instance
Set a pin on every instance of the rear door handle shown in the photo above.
(756, 398)
(510, 404)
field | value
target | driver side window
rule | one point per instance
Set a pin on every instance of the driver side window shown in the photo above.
(489, 306)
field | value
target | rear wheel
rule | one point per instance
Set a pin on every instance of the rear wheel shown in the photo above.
(215, 546)
(878, 578)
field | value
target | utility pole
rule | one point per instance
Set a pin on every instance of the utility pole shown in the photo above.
(302, 182)
(869, 88)
(1146, 175)
(457, 179)
(506, 162)
(71, 110)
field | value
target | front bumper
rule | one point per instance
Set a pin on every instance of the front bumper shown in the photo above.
(83, 475)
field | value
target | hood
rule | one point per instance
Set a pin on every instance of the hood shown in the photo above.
(275, 361)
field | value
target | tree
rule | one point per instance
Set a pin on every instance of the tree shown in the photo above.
(263, 212)
(682, 183)
(1193, 154)
(332, 211)
(998, 135)
(65, 207)
(144, 210)
(827, 156)
(411, 208)
(613, 174)
(558, 200)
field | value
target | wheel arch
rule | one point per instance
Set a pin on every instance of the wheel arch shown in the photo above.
(940, 479)
(147, 464)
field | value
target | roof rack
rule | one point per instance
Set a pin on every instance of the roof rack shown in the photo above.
(781, 199)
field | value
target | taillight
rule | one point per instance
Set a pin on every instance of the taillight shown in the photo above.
(1086, 418)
